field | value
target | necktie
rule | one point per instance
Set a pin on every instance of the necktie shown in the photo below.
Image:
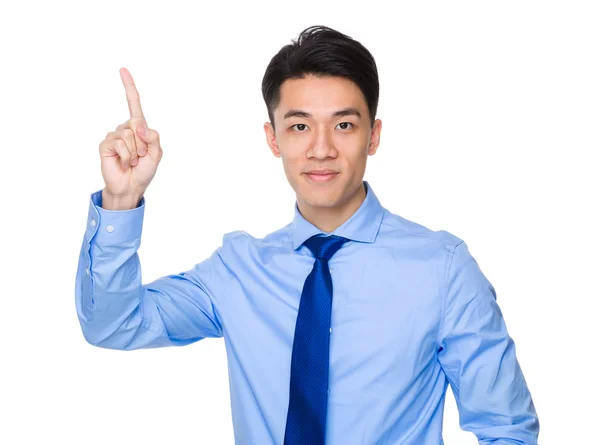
(309, 380)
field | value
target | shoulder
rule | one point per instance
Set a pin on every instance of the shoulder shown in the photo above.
(239, 244)
(400, 227)
(422, 241)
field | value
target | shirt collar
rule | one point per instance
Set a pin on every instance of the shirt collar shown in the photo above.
(363, 225)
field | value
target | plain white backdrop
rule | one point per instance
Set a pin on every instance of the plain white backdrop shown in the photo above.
(490, 130)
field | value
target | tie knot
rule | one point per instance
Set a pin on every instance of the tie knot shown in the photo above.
(324, 246)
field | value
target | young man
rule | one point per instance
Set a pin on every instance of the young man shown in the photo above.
(343, 327)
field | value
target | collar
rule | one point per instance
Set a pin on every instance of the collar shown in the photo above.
(362, 226)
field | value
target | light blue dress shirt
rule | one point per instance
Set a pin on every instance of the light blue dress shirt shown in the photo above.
(412, 312)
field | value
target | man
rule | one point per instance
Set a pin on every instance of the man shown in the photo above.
(343, 327)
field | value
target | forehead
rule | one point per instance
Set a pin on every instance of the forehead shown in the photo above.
(325, 94)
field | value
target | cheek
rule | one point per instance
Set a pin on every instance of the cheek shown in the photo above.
(292, 166)
(292, 156)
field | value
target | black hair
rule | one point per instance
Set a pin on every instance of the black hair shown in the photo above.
(322, 51)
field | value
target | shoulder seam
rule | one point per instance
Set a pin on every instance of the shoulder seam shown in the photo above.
(444, 291)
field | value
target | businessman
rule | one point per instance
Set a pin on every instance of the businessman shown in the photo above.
(346, 326)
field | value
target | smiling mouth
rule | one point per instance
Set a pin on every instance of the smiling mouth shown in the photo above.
(319, 177)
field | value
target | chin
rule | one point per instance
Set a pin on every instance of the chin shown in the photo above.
(322, 204)
(316, 197)
(324, 195)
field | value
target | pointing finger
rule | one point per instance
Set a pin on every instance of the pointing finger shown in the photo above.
(131, 92)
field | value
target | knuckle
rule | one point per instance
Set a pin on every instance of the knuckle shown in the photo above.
(127, 133)
(127, 124)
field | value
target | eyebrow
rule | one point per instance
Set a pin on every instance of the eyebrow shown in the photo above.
(348, 111)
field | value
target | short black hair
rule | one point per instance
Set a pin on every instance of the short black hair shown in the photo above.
(322, 51)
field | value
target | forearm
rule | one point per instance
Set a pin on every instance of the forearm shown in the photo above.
(109, 293)
(117, 311)
(111, 299)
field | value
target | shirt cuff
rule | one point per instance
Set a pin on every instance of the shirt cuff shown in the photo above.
(113, 226)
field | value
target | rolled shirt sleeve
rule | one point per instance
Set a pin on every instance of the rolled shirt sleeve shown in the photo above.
(479, 359)
(117, 311)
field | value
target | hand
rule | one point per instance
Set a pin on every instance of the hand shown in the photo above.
(129, 156)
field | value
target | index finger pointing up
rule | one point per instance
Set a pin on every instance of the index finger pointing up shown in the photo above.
(133, 97)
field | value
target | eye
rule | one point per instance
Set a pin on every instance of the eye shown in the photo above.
(299, 125)
(346, 123)
(302, 127)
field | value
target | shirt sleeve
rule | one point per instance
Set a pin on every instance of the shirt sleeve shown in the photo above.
(479, 359)
(116, 311)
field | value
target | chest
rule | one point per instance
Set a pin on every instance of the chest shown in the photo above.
(385, 318)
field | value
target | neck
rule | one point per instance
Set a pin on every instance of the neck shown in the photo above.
(330, 218)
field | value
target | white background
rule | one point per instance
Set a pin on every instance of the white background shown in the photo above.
(490, 117)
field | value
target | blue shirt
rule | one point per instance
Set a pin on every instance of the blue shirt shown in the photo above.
(412, 312)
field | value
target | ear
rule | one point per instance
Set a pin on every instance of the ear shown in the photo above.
(375, 137)
(272, 139)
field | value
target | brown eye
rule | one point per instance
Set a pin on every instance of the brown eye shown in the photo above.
(346, 125)
(299, 125)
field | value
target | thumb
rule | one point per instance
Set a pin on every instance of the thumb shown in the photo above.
(149, 136)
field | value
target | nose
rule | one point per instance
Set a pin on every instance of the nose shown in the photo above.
(322, 146)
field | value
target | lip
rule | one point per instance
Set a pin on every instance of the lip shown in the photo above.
(320, 177)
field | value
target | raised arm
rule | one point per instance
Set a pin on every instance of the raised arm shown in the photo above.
(117, 311)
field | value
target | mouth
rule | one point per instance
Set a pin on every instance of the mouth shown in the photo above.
(321, 177)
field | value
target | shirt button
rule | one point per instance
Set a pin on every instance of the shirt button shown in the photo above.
(93, 222)
(109, 228)
(330, 330)
(87, 271)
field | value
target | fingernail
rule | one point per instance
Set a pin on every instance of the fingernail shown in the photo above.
(142, 151)
(134, 161)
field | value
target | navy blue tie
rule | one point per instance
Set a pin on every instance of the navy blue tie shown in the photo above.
(309, 380)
